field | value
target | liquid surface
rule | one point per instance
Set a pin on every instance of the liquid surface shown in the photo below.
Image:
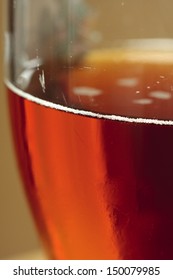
(100, 188)
(131, 83)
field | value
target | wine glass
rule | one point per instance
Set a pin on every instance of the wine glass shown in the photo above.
(90, 90)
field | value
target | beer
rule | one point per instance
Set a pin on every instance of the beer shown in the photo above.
(95, 148)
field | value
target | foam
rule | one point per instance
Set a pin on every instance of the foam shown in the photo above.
(83, 112)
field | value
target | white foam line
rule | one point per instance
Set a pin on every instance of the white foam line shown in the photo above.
(83, 112)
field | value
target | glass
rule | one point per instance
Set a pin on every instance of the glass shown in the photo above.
(90, 90)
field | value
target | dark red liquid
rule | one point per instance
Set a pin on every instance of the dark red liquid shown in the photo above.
(100, 188)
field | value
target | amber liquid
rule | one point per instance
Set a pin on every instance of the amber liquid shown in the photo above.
(100, 187)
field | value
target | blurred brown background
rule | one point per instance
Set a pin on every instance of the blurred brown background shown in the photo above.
(17, 233)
